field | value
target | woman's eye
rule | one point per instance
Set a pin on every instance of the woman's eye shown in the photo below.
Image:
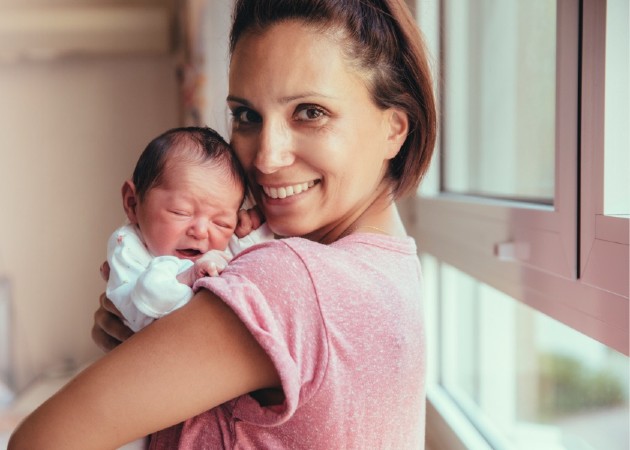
(245, 115)
(310, 112)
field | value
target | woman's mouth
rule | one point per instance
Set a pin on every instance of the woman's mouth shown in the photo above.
(288, 191)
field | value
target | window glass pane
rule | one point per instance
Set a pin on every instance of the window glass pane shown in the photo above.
(525, 379)
(499, 98)
(428, 18)
(617, 137)
(430, 297)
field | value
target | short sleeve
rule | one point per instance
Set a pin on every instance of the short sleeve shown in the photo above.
(270, 290)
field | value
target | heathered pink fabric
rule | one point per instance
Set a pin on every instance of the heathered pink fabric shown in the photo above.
(343, 325)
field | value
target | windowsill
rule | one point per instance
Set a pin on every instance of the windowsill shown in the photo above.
(447, 426)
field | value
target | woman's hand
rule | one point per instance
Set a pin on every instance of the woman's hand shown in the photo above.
(108, 330)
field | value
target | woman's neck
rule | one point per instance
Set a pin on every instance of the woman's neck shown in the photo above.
(380, 216)
(386, 221)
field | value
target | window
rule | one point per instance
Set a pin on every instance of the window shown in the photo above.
(617, 101)
(523, 379)
(500, 70)
(523, 222)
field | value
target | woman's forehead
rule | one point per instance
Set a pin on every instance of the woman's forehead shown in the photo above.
(288, 39)
(293, 58)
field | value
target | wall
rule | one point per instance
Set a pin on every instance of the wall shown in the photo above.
(70, 132)
(213, 45)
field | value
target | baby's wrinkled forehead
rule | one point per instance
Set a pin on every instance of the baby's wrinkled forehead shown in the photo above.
(200, 171)
(190, 155)
(186, 150)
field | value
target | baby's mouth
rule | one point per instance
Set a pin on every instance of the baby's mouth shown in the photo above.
(189, 253)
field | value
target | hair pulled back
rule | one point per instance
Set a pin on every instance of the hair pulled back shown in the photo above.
(381, 40)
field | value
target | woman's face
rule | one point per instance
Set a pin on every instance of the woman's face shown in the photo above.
(304, 127)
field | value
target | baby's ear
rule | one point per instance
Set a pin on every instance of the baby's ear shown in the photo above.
(130, 201)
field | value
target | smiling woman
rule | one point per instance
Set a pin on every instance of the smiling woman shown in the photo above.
(287, 191)
(319, 120)
(314, 340)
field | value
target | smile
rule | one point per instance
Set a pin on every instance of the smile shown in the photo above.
(288, 191)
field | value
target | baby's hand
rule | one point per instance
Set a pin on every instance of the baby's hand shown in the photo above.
(248, 221)
(210, 264)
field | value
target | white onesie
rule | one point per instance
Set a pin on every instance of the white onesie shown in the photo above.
(144, 287)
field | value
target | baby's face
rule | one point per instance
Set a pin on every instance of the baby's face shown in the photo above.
(194, 210)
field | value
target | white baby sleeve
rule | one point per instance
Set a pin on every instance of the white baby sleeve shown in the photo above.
(157, 291)
(129, 260)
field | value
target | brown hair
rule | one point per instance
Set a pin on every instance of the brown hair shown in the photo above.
(193, 144)
(382, 40)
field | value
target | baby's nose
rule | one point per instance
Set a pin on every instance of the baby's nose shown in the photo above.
(199, 229)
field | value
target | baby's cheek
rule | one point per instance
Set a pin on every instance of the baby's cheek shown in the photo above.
(225, 239)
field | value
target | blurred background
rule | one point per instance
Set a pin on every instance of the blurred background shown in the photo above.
(522, 222)
(84, 86)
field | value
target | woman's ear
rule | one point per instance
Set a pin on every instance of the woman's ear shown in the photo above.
(398, 128)
(130, 201)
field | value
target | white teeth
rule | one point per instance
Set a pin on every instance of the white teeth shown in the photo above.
(288, 191)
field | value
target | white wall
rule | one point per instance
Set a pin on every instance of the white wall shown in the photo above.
(70, 132)
(214, 45)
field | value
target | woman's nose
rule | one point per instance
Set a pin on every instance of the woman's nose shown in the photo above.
(275, 148)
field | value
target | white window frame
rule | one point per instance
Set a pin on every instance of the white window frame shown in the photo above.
(589, 299)
(603, 239)
(531, 252)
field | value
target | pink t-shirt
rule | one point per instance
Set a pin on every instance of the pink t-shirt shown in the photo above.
(343, 325)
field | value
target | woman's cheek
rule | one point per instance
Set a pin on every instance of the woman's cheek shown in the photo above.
(245, 151)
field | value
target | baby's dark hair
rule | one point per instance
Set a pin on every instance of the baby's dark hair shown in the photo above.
(194, 145)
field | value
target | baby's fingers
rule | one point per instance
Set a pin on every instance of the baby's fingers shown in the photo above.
(244, 225)
(214, 270)
(209, 269)
(248, 220)
(256, 217)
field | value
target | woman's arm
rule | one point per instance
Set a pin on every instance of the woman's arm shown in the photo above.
(183, 364)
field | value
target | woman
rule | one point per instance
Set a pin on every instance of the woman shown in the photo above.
(314, 341)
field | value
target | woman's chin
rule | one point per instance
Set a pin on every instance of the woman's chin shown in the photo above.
(280, 227)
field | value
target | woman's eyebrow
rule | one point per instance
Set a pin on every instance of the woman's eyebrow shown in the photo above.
(292, 98)
(283, 100)
(232, 98)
